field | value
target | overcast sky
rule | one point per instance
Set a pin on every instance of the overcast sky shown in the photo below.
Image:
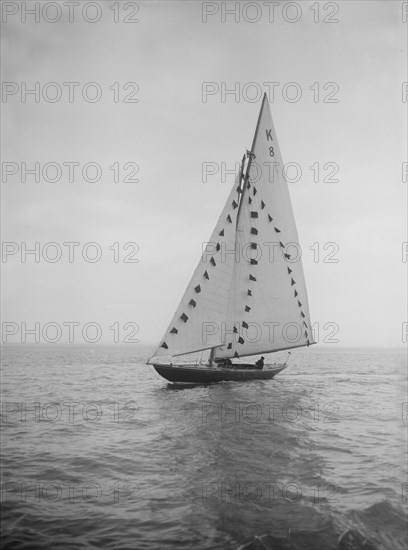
(171, 131)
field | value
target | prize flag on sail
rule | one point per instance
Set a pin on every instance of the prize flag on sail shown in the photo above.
(253, 301)
(274, 319)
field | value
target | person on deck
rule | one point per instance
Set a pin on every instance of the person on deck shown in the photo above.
(223, 362)
(260, 363)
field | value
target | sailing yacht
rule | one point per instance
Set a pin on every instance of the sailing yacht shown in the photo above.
(247, 295)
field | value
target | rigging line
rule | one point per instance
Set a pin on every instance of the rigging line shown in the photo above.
(251, 155)
(241, 186)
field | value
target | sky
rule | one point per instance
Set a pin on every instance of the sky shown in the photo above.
(162, 114)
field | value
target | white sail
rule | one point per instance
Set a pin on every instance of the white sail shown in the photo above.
(196, 325)
(268, 303)
(248, 294)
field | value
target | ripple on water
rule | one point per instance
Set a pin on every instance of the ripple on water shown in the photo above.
(316, 451)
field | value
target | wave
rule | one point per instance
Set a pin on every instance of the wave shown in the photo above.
(381, 526)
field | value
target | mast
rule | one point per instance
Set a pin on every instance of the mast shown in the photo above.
(251, 154)
(268, 308)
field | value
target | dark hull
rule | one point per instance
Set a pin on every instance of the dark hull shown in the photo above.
(210, 375)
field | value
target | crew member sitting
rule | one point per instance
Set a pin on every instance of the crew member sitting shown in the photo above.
(260, 363)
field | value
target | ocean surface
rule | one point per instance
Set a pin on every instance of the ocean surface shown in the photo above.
(100, 452)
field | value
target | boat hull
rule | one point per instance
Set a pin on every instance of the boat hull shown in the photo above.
(209, 375)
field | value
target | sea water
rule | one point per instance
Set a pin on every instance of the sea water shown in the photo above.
(98, 451)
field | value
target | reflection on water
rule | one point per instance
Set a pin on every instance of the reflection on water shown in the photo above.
(100, 452)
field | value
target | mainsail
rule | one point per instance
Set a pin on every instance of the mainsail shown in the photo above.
(248, 294)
